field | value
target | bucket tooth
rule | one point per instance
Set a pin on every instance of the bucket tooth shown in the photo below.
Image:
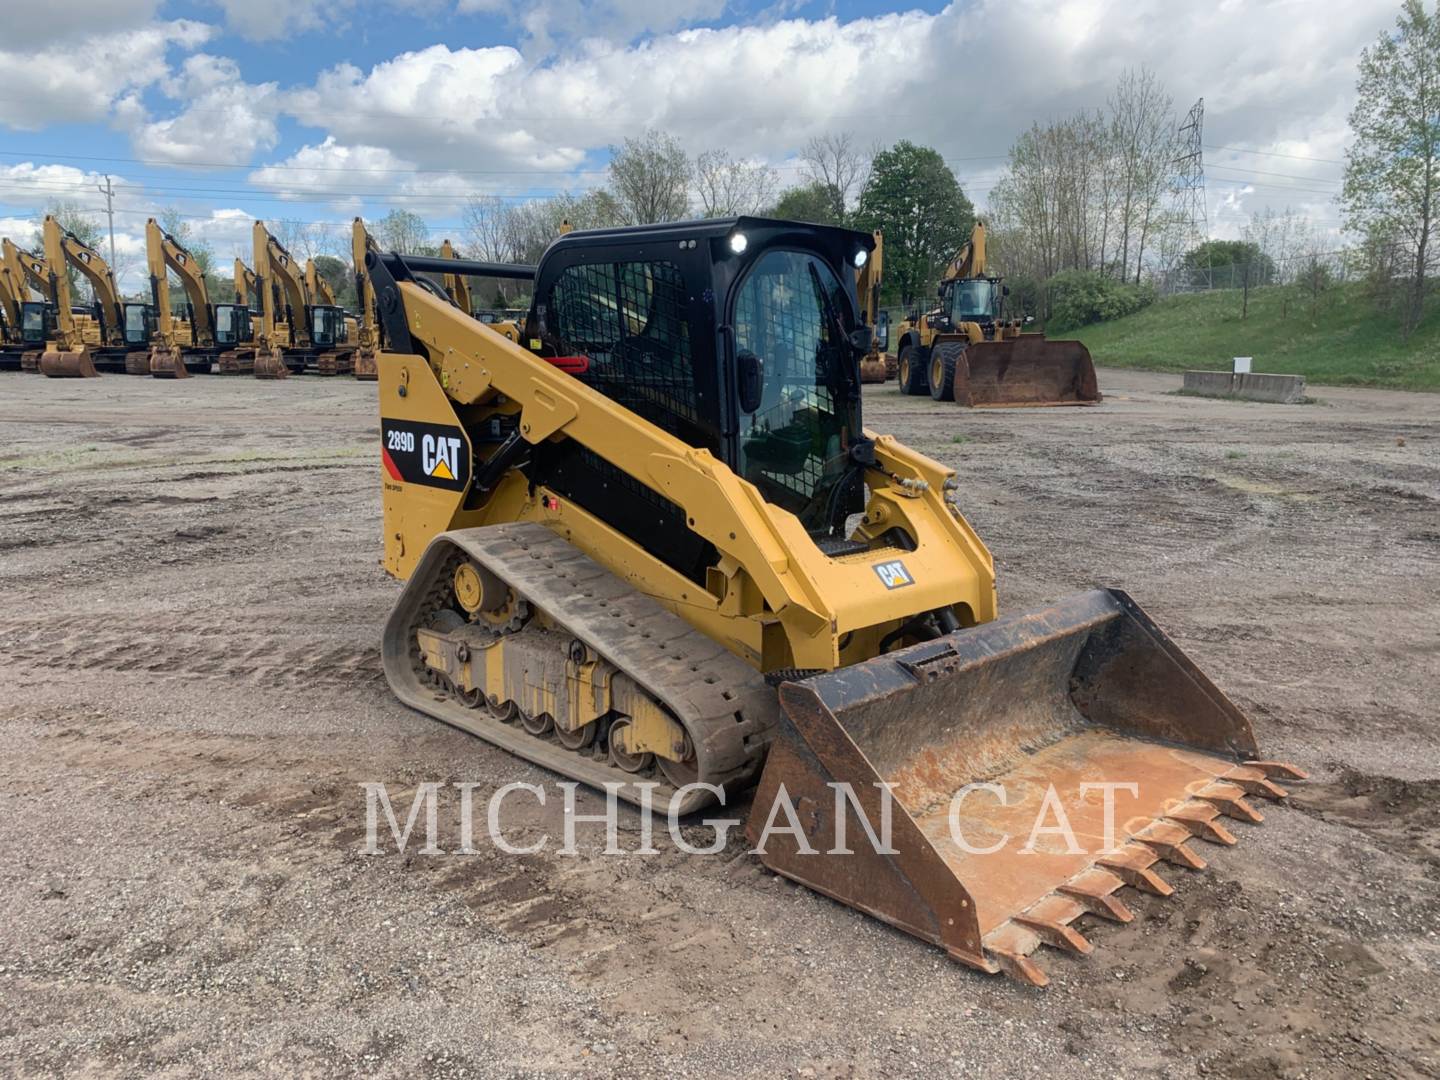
(1230, 801)
(1282, 769)
(1010, 946)
(1050, 919)
(1094, 890)
(1133, 865)
(1168, 841)
(1021, 967)
(1254, 782)
(1199, 819)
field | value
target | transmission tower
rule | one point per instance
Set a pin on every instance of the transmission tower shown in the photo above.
(1190, 166)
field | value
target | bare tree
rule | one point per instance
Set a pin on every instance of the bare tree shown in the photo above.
(833, 160)
(1144, 137)
(650, 179)
(403, 231)
(727, 187)
(487, 227)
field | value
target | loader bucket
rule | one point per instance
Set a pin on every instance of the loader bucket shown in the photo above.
(68, 365)
(1026, 370)
(1058, 700)
(367, 368)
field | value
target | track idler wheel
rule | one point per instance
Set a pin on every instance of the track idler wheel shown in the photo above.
(55, 364)
(623, 759)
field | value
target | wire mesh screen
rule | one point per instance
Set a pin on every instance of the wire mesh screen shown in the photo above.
(629, 319)
(793, 445)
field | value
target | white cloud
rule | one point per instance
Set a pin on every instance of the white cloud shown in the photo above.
(358, 174)
(546, 22)
(217, 100)
(80, 80)
(31, 26)
(269, 20)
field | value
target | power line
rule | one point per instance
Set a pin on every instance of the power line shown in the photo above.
(1274, 153)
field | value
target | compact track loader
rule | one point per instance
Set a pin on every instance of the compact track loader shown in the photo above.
(963, 351)
(652, 544)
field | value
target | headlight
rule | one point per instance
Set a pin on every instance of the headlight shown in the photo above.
(738, 243)
(861, 258)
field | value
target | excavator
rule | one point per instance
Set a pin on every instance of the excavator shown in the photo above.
(367, 334)
(875, 365)
(653, 547)
(316, 330)
(37, 320)
(124, 328)
(235, 326)
(213, 327)
(963, 350)
(25, 324)
(340, 359)
(457, 285)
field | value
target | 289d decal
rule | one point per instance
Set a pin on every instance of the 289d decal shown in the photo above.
(419, 453)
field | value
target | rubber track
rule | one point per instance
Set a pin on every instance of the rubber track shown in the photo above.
(725, 705)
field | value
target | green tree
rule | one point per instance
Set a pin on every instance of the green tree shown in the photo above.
(814, 202)
(174, 223)
(1392, 170)
(73, 218)
(650, 179)
(336, 273)
(1231, 262)
(405, 232)
(914, 197)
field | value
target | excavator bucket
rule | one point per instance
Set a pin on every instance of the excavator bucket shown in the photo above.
(167, 364)
(57, 364)
(1026, 370)
(1036, 765)
(270, 364)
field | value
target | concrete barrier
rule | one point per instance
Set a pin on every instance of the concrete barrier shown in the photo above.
(1279, 389)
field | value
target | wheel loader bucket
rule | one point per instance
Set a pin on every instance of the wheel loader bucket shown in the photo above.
(1002, 747)
(1026, 370)
(68, 365)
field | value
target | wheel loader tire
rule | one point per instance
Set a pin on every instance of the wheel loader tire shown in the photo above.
(911, 373)
(944, 359)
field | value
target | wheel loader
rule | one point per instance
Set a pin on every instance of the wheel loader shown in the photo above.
(963, 351)
(653, 546)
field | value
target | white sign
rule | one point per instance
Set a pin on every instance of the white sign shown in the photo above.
(1242, 365)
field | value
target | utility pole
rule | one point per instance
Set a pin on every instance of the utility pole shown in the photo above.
(109, 192)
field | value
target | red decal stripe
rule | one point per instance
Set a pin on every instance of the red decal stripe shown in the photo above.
(389, 464)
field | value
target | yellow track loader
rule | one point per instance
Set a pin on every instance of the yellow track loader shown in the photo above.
(963, 351)
(124, 329)
(653, 546)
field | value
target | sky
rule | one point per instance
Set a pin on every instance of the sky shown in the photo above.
(318, 110)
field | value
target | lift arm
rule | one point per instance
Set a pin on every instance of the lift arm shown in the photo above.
(317, 287)
(164, 251)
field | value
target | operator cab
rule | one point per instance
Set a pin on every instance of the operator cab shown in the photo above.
(37, 322)
(232, 324)
(139, 325)
(327, 325)
(739, 335)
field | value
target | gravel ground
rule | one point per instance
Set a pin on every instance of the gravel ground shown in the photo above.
(190, 607)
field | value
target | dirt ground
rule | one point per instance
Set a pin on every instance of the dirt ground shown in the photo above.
(190, 699)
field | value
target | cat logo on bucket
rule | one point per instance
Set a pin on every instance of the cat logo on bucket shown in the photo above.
(893, 574)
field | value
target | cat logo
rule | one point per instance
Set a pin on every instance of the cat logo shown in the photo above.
(893, 574)
(440, 457)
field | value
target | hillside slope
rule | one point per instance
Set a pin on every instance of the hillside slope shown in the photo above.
(1339, 341)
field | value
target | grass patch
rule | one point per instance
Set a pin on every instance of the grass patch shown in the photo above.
(1339, 341)
(1234, 455)
(959, 439)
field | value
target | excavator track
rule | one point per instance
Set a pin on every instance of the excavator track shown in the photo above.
(726, 708)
